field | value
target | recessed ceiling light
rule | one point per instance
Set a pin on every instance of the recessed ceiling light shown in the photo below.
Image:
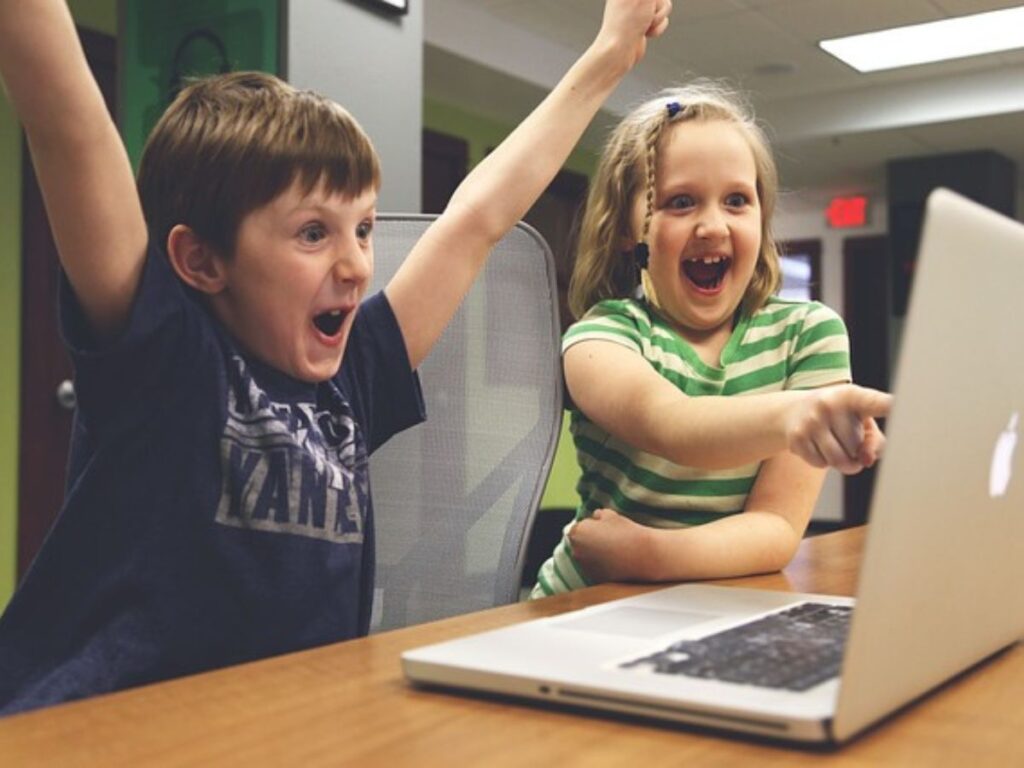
(934, 41)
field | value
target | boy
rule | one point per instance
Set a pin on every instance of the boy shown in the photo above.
(231, 379)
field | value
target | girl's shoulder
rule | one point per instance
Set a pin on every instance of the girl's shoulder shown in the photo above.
(631, 312)
(777, 309)
(625, 321)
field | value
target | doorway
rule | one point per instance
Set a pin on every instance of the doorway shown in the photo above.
(868, 284)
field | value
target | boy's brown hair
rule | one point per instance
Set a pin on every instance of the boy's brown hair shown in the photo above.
(231, 143)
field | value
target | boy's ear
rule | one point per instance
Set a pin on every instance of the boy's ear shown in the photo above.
(198, 264)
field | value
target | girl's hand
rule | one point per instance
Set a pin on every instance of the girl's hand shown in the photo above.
(835, 427)
(628, 24)
(610, 547)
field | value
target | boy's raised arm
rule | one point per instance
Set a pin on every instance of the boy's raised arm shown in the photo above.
(434, 279)
(80, 161)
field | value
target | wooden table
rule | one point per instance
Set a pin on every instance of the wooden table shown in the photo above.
(348, 704)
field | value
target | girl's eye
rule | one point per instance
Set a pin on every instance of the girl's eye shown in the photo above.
(364, 230)
(737, 200)
(312, 233)
(680, 202)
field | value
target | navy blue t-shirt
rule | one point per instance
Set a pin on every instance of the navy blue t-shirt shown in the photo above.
(217, 510)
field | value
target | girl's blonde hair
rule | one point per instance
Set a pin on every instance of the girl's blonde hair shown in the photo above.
(602, 269)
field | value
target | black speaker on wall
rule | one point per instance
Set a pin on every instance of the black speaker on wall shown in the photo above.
(984, 176)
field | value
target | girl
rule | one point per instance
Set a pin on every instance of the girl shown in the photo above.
(676, 270)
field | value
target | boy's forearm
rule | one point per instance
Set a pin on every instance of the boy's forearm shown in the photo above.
(535, 151)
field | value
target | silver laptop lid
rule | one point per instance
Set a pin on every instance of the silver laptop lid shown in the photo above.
(940, 581)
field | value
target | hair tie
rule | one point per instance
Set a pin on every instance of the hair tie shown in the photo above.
(640, 255)
(673, 108)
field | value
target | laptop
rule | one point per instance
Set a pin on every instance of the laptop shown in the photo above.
(939, 586)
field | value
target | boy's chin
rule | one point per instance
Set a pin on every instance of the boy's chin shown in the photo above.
(316, 374)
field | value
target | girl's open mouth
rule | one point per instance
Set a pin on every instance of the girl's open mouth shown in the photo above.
(707, 272)
(329, 323)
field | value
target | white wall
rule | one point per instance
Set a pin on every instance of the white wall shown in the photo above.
(372, 64)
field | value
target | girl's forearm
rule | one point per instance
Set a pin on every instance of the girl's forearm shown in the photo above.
(738, 545)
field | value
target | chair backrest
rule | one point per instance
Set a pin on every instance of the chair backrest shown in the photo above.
(455, 497)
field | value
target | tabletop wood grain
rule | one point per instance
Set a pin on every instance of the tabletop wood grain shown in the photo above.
(348, 704)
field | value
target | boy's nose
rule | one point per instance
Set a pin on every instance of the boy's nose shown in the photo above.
(354, 265)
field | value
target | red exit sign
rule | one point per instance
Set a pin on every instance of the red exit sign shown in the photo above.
(846, 212)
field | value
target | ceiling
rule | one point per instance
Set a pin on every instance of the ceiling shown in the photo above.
(833, 128)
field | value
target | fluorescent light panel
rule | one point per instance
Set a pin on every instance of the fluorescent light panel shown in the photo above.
(934, 41)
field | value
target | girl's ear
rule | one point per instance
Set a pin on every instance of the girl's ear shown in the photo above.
(197, 263)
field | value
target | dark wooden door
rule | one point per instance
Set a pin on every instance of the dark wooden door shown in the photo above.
(867, 278)
(445, 164)
(556, 215)
(46, 422)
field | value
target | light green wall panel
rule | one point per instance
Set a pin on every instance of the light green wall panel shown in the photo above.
(100, 15)
(10, 341)
(560, 492)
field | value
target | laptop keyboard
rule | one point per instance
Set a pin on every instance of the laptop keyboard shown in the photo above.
(794, 649)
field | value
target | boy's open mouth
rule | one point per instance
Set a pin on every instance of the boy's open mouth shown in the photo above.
(329, 323)
(706, 272)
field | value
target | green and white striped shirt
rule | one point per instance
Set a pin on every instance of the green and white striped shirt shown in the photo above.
(784, 345)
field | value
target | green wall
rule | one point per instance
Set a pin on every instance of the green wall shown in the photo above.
(100, 15)
(95, 14)
(482, 134)
(10, 341)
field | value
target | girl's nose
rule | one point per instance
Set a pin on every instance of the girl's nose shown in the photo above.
(711, 225)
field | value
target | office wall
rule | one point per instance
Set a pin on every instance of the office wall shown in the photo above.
(372, 64)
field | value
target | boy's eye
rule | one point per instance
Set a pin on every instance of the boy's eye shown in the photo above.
(364, 230)
(312, 233)
(737, 200)
(680, 202)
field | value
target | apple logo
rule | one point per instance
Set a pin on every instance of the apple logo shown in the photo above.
(1002, 458)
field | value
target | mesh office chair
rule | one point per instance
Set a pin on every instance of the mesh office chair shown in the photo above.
(455, 497)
